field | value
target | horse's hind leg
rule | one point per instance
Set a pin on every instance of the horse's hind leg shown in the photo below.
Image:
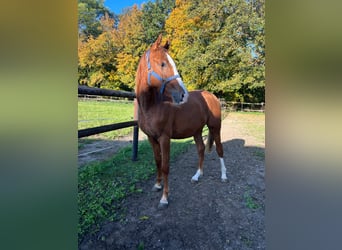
(219, 150)
(200, 149)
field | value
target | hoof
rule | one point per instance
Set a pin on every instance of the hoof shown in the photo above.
(224, 179)
(156, 189)
(194, 181)
(162, 206)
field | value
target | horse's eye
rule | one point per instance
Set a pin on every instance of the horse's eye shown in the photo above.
(163, 64)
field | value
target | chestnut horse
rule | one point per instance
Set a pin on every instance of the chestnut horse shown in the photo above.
(167, 110)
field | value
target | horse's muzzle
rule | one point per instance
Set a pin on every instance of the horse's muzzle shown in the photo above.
(179, 97)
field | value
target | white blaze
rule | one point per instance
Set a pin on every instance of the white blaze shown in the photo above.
(179, 80)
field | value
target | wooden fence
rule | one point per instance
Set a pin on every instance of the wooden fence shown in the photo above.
(243, 106)
(84, 90)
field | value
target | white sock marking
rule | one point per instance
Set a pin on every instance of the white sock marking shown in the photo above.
(223, 170)
(198, 174)
(163, 200)
(157, 186)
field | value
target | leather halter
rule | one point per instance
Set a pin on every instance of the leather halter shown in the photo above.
(164, 81)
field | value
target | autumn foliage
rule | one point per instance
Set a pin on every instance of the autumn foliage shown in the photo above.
(218, 45)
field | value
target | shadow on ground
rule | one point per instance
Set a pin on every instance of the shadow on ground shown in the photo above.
(207, 215)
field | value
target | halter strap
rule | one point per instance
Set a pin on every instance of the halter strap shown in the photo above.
(164, 81)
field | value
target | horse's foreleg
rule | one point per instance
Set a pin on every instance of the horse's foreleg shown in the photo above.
(164, 142)
(157, 157)
(200, 149)
(219, 150)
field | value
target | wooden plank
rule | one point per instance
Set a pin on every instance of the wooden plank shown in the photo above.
(105, 128)
(85, 90)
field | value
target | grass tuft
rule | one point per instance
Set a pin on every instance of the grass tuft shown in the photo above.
(250, 201)
(103, 185)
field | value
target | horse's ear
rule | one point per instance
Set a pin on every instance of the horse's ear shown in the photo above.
(167, 44)
(157, 42)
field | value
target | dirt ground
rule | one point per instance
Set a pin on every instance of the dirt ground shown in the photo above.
(99, 149)
(206, 215)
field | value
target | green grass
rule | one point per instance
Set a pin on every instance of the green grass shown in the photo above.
(250, 201)
(251, 123)
(102, 185)
(259, 153)
(95, 113)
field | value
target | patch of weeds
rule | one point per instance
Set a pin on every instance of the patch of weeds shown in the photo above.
(260, 154)
(80, 145)
(250, 201)
(83, 142)
(144, 217)
(141, 246)
(246, 241)
(103, 185)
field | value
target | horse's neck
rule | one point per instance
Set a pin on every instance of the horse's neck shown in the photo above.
(148, 98)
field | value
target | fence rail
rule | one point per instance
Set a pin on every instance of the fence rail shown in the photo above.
(84, 90)
(243, 106)
(105, 128)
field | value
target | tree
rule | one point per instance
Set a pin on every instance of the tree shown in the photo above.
(179, 28)
(154, 15)
(219, 46)
(97, 56)
(89, 15)
(130, 33)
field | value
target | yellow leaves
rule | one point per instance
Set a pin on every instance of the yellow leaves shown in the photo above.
(96, 78)
(249, 79)
(126, 68)
(130, 25)
(112, 57)
(208, 43)
(178, 26)
(107, 23)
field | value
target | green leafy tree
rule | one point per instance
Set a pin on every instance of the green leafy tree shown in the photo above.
(154, 15)
(130, 32)
(97, 56)
(179, 27)
(89, 15)
(219, 46)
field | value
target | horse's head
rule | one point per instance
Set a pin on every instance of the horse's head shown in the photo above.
(162, 73)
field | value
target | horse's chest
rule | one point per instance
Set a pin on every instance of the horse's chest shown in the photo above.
(154, 125)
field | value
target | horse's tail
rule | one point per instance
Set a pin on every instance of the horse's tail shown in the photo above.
(210, 142)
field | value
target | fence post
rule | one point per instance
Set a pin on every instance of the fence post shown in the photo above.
(135, 133)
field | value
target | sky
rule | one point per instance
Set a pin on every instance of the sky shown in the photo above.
(118, 5)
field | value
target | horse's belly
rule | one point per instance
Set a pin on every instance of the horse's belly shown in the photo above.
(186, 130)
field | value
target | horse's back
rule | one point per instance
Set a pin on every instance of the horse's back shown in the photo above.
(208, 101)
(201, 108)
